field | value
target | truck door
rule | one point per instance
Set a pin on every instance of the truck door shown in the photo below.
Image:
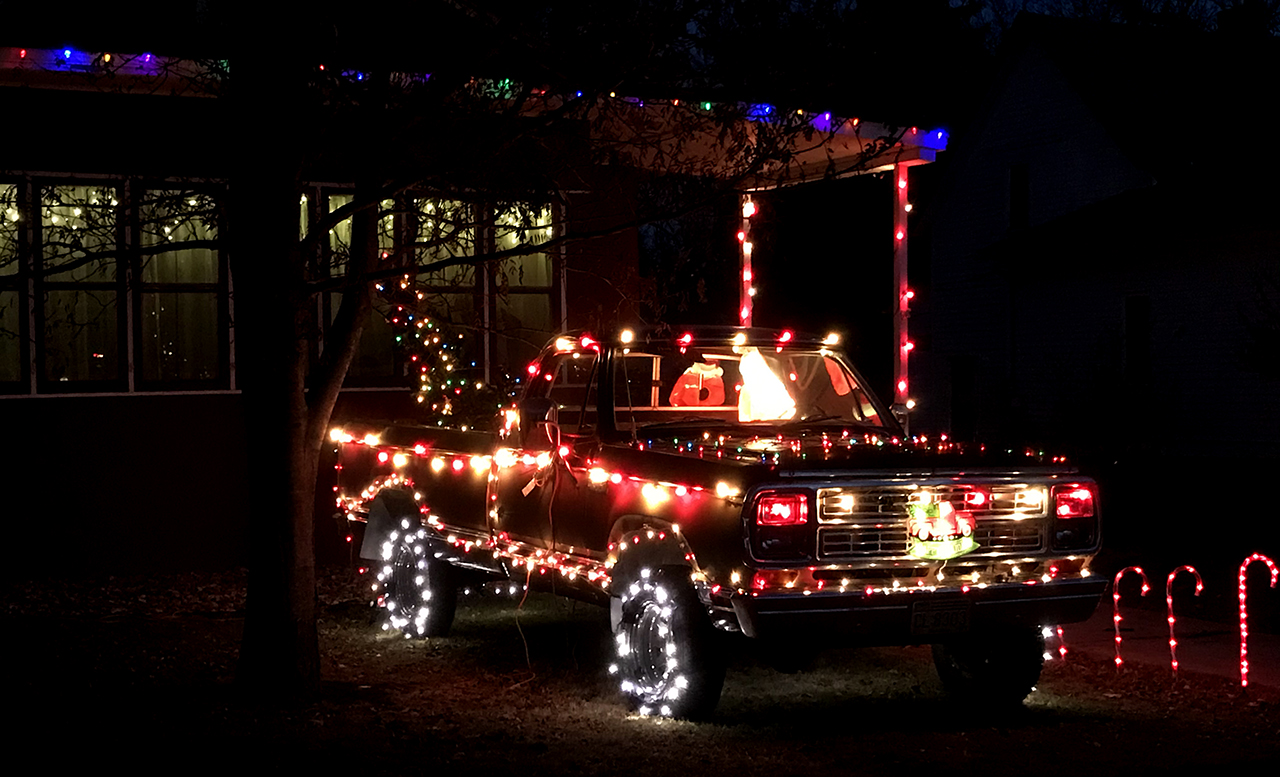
(542, 482)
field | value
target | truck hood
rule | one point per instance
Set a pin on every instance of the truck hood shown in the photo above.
(797, 450)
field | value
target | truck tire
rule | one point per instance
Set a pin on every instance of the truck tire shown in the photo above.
(667, 661)
(420, 592)
(993, 669)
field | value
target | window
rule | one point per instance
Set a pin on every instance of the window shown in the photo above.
(111, 286)
(572, 389)
(11, 289)
(181, 310)
(505, 307)
(79, 285)
(375, 360)
(525, 284)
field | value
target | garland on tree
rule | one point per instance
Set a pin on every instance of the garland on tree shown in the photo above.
(449, 383)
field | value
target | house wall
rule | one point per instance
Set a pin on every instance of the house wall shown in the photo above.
(1037, 124)
(121, 475)
(1114, 321)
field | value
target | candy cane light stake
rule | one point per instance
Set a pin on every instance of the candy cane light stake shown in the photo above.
(1115, 604)
(1168, 598)
(1244, 611)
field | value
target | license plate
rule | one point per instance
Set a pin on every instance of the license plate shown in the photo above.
(939, 617)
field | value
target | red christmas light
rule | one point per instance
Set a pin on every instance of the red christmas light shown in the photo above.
(1168, 598)
(1115, 603)
(1244, 612)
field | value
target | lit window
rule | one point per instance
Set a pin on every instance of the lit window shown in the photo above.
(79, 285)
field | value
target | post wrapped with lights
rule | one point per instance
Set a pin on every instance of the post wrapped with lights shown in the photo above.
(1244, 610)
(747, 275)
(901, 383)
(1115, 603)
(1168, 598)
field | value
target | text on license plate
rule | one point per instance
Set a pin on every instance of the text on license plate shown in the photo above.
(939, 617)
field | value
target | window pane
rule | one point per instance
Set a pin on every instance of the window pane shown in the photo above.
(455, 308)
(340, 234)
(76, 222)
(173, 218)
(446, 230)
(523, 225)
(179, 336)
(8, 229)
(524, 325)
(375, 355)
(80, 335)
(10, 352)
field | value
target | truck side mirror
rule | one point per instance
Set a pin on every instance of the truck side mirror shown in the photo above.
(534, 413)
(900, 414)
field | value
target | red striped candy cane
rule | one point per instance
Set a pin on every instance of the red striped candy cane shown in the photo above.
(1244, 611)
(1115, 600)
(1168, 598)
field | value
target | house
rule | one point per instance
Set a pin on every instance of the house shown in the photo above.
(117, 306)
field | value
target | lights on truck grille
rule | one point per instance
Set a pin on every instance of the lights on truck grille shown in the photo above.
(889, 503)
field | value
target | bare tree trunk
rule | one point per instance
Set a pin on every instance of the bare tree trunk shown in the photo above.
(280, 653)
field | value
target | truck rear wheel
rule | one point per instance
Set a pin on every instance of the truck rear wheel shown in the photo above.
(420, 593)
(992, 669)
(667, 661)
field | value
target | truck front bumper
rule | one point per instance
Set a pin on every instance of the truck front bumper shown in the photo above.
(914, 615)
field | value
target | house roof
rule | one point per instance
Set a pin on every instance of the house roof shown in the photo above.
(702, 138)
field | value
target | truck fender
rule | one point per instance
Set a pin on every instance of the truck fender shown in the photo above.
(640, 542)
(392, 511)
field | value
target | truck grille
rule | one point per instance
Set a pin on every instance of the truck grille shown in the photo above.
(869, 541)
(871, 521)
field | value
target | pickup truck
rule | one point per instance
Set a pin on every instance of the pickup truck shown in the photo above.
(728, 481)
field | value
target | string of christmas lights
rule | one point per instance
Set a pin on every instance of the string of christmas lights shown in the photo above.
(448, 387)
(1244, 610)
(1115, 602)
(1168, 598)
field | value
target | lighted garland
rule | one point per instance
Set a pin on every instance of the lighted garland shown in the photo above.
(448, 383)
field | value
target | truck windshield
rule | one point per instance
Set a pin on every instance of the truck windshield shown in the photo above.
(737, 384)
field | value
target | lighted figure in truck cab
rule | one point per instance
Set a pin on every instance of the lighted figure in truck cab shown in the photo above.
(729, 481)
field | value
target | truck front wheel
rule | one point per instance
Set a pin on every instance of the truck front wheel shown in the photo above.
(419, 592)
(667, 661)
(992, 669)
